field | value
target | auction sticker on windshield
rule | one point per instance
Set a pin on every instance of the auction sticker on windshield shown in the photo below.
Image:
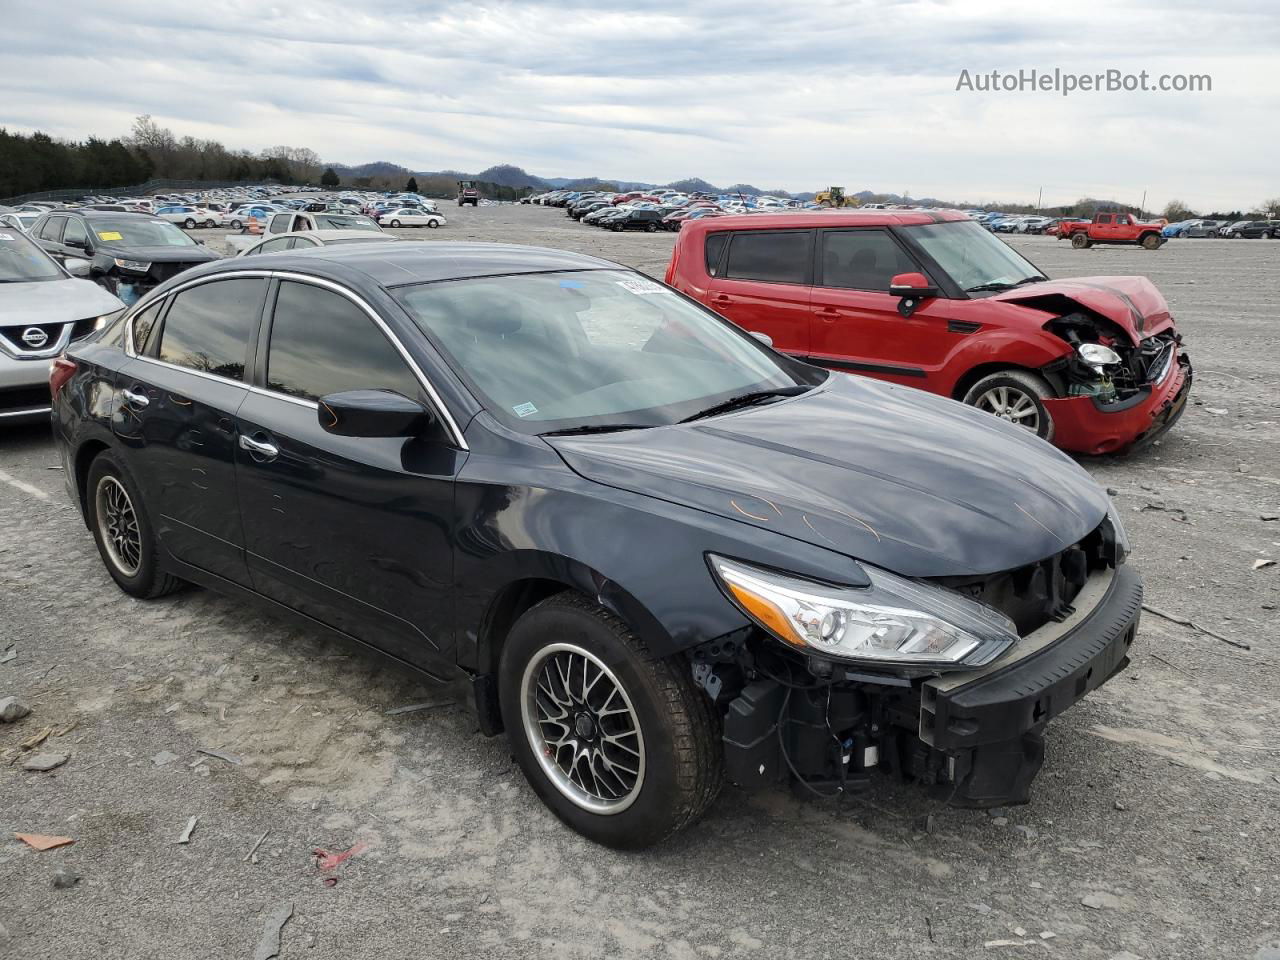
(106, 236)
(524, 409)
(642, 288)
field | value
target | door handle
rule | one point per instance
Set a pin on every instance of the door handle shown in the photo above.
(722, 298)
(261, 448)
(136, 399)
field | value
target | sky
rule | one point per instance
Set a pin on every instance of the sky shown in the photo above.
(856, 93)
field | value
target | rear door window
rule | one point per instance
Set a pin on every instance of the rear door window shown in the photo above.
(775, 257)
(861, 260)
(280, 223)
(208, 328)
(143, 323)
(52, 229)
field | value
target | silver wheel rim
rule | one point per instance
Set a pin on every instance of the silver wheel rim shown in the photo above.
(583, 729)
(118, 526)
(1012, 404)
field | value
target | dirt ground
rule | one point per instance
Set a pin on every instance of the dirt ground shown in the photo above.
(1151, 833)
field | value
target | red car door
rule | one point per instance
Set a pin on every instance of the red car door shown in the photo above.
(762, 285)
(855, 322)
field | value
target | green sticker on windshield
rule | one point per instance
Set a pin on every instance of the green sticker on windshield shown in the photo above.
(525, 410)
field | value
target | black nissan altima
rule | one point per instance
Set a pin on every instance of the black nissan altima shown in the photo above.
(654, 552)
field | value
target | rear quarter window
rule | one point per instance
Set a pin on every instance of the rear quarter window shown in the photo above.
(716, 242)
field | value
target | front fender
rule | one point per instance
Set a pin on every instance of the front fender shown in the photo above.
(642, 558)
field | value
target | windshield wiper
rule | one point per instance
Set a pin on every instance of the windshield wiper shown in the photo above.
(1034, 278)
(595, 428)
(746, 400)
(998, 285)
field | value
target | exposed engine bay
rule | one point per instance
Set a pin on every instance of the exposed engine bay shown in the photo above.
(1106, 364)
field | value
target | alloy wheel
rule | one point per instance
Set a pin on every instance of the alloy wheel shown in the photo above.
(1010, 403)
(118, 526)
(583, 728)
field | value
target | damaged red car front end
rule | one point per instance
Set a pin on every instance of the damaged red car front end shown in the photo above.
(1102, 408)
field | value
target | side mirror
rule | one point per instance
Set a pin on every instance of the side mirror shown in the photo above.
(762, 337)
(911, 289)
(78, 268)
(371, 413)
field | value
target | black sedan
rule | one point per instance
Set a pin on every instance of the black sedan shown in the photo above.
(652, 550)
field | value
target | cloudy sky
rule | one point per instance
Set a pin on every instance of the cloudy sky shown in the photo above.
(797, 96)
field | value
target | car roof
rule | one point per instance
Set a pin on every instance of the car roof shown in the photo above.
(808, 221)
(408, 262)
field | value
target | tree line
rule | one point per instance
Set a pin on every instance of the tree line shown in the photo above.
(30, 163)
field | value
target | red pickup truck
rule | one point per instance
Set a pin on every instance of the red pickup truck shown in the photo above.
(1112, 228)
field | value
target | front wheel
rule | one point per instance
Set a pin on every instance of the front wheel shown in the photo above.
(1081, 241)
(432, 224)
(650, 227)
(395, 223)
(622, 746)
(1151, 242)
(1016, 396)
(210, 224)
(122, 529)
(237, 224)
(189, 223)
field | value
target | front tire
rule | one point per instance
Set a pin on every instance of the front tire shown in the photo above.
(432, 224)
(1151, 242)
(619, 744)
(123, 531)
(1016, 396)
(395, 223)
(189, 223)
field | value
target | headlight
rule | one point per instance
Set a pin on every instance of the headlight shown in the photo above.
(106, 318)
(1096, 355)
(138, 266)
(893, 622)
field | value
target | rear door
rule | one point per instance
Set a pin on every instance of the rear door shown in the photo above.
(49, 236)
(762, 285)
(178, 402)
(856, 324)
(352, 531)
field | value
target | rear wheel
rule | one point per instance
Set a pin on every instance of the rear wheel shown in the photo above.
(237, 224)
(619, 744)
(210, 224)
(1151, 241)
(1081, 241)
(650, 227)
(1016, 396)
(395, 223)
(122, 529)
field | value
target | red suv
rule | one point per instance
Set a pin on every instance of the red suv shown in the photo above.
(932, 300)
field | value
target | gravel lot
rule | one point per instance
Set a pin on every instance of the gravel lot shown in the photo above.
(1151, 835)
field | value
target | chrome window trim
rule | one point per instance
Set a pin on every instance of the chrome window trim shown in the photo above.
(337, 288)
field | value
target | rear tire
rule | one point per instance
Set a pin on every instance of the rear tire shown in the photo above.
(123, 531)
(395, 223)
(650, 227)
(1081, 241)
(1016, 396)
(663, 766)
(237, 225)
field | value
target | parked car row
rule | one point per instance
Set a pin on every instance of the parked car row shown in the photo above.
(1233, 230)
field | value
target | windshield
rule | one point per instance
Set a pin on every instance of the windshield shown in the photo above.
(971, 256)
(139, 233)
(21, 260)
(344, 221)
(554, 351)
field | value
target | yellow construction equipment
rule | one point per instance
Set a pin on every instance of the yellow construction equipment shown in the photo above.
(835, 197)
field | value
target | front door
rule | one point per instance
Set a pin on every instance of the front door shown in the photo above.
(352, 531)
(764, 286)
(176, 418)
(856, 324)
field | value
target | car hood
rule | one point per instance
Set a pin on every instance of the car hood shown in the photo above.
(1133, 303)
(162, 254)
(54, 301)
(899, 478)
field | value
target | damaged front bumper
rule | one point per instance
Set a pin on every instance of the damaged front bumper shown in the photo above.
(977, 735)
(1088, 426)
(989, 723)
